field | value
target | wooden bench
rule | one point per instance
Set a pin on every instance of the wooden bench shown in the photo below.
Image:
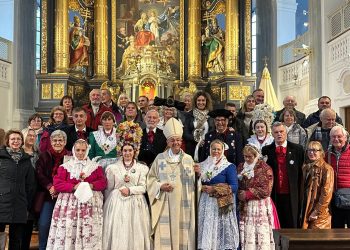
(330, 239)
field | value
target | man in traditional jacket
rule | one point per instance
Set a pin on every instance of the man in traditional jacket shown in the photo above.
(222, 132)
(286, 159)
(171, 191)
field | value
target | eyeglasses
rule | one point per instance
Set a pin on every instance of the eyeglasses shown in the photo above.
(312, 150)
(58, 114)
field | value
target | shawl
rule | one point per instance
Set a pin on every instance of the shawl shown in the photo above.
(248, 169)
(211, 167)
(223, 193)
(58, 158)
(15, 155)
(107, 142)
(79, 169)
(200, 117)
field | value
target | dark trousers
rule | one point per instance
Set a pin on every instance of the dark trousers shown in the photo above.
(27, 235)
(15, 234)
(284, 210)
(340, 217)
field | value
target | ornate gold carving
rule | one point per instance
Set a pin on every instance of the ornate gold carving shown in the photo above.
(232, 41)
(223, 93)
(43, 64)
(74, 5)
(70, 90)
(248, 38)
(101, 39)
(182, 40)
(216, 91)
(61, 36)
(58, 90)
(114, 40)
(238, 92)
(194, 39)
(45, 91)
(219, 8)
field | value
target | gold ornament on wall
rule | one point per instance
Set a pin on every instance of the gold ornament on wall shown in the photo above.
(58, 90)
(70, 90)
(238, 92)
(223, 93)
(45, 91)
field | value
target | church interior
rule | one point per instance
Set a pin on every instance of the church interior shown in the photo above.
(169, 47)
(173, 48)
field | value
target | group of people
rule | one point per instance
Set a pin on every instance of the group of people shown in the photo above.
(131, 175)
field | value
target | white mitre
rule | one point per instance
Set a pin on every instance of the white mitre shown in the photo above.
(172, 128)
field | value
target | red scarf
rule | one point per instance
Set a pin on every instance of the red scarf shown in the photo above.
(58, 159)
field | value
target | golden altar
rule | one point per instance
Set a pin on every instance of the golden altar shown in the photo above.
(145, 47)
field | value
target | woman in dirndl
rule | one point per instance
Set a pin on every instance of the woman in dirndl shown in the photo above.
(257, 213)
(217, 221)
(78, 214)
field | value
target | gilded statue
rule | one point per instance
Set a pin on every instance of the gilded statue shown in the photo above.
(129, 53)
(214, 43)
(78, 46)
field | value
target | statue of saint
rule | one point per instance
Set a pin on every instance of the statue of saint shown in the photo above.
(215, 47)
(78, 46)
(127, 60)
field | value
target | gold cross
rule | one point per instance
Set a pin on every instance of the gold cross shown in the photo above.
(85, 16)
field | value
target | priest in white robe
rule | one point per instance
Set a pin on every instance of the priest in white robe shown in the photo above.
(171, 190)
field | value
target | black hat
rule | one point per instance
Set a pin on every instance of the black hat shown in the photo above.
(169, 102)
(220, 112)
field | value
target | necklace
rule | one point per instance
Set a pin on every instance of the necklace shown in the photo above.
(128, 166)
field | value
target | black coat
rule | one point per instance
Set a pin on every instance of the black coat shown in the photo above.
(17, 187)
(294, 161)
(232, 139)
(72, 136)
(148, 152)
(190, 143)
(315, 118)
(300, 116)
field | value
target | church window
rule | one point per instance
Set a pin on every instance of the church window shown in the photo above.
(253, 42)
(37, 35)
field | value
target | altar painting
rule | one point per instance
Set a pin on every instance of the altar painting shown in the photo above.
(148, 23)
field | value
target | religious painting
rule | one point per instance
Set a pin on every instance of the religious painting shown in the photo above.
(148, 36)
(78, 38)
(148, 88)
(213, 37)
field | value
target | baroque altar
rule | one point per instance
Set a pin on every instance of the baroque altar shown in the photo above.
(145, 47)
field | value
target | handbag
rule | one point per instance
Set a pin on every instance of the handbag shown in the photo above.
(342, 198)
(38, 201)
